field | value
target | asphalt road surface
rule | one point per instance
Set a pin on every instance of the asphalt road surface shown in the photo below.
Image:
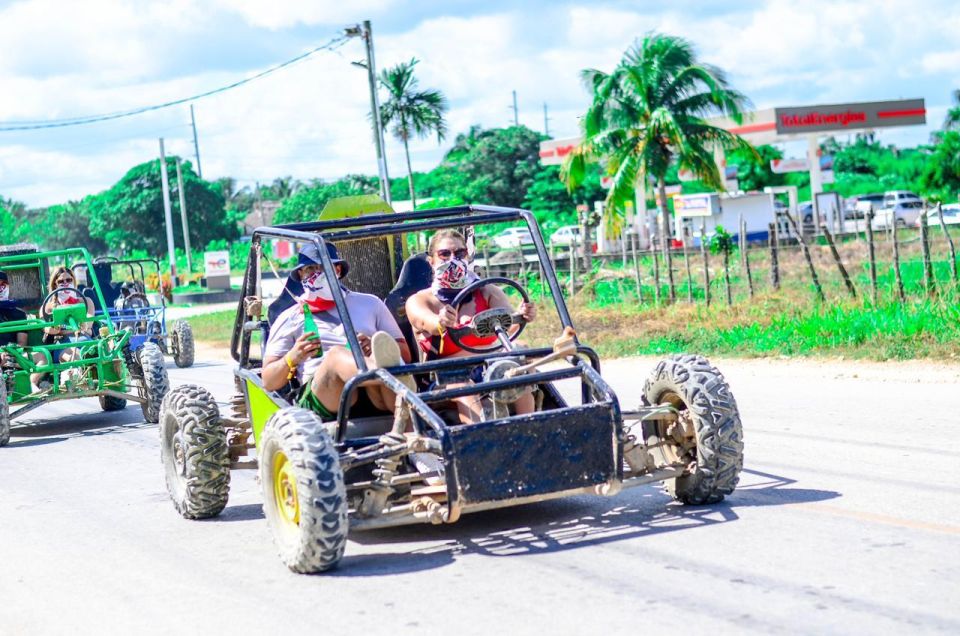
(847, 520)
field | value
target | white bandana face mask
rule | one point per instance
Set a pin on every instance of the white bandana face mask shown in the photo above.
(315, 287)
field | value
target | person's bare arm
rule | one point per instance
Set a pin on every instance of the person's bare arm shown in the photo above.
(422, 315)
(276, 369)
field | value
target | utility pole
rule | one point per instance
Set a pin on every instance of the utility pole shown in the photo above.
(196, 146)
(516, 118)
(546, 120)
(366, 32)
(167, 215)
(183, 215)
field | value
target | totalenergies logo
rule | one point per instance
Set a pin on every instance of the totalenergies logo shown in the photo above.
(823, 119)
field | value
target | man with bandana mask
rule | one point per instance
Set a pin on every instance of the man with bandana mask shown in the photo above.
(9, 312)
(432, 315)
(292, 354)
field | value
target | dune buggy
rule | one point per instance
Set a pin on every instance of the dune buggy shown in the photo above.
(102, 365)
(320, 479)
(124, 286)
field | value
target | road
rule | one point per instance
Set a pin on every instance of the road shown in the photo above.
(847, 520)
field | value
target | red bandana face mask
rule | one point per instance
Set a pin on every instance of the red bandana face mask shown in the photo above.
(68, 297)
(317, 294)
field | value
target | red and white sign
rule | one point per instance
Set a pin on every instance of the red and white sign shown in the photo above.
(216, 263)
(554, 151)
(606, 182)
(799, 164)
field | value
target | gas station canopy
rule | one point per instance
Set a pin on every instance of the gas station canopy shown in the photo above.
(790, 123)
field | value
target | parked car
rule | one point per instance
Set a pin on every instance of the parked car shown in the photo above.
(857, 207)
(951, 215)
(896, 197)
(565, 235)
(905, 212)
(513, 237)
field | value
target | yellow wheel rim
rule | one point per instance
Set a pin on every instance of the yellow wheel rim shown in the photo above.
(285, 489)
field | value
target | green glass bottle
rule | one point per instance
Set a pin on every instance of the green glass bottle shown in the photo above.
(310, 327)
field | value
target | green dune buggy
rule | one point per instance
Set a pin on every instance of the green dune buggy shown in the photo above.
(100, 364)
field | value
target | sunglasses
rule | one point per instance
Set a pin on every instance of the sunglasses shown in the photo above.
(460, 252)
(64, 281)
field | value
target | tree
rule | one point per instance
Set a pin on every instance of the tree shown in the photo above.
(941, 173)
(411, 112)
(650, 112)
(753, 167)
(68, 225)
(952, 120)
(130, 214)
(495, 166)
(307, 203)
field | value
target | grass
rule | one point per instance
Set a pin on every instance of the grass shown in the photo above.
(789, 321)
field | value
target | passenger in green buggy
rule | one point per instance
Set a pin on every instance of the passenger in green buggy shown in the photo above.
(293, 355)
(9, 312)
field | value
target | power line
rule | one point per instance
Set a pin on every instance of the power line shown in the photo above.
(90, 119)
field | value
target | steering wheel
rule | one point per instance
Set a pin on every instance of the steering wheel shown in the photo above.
(491, 322)
(136, 300)
(47, 315)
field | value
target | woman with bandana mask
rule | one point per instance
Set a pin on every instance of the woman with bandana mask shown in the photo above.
(62, 279)
(432, 315)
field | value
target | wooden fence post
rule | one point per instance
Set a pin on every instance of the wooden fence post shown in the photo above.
(871, 250)
(901, 294)
(744, 259)
(634, 239)
(656, 274)
(953, 251)
(706, 260)
(929, 283)
(726, 273)
(836, 257)
(806, 255)
(687, 237)
(774, 259)
(572, 248)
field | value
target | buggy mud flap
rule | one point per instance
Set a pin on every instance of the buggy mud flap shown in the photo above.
(525, 456)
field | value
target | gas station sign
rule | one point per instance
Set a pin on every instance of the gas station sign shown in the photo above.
(798, 120)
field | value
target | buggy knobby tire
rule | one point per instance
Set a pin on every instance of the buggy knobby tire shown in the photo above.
(112, 403)
(194, 452)
(154, 383)
(181, 344)
(699, 391)
(4, 414)
(304, 497)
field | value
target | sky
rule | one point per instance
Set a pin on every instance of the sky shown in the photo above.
(62, 59)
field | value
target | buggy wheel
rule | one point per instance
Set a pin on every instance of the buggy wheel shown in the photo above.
(708, 436)
(4, 414)
(111, 403)
(154, 383)
(181, 343)
(304, 497)
(194, 452)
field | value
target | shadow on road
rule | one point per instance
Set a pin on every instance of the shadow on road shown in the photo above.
(79, 424)
(567, 524)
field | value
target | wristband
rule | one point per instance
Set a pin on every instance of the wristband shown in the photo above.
(292, 368)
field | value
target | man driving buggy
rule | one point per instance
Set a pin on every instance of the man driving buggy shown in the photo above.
(322, 365)
(9, 312)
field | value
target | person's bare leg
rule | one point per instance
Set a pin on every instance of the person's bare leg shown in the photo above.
(330, 377)
(469, 407)
(524, 404)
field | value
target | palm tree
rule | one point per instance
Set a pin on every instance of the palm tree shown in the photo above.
(411, 112)
(650, 112)
(952, 120)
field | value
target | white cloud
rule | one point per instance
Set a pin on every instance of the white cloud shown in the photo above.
(286, 13)
(310, 120)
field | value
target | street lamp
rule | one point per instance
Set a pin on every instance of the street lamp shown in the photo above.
(364, 31)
